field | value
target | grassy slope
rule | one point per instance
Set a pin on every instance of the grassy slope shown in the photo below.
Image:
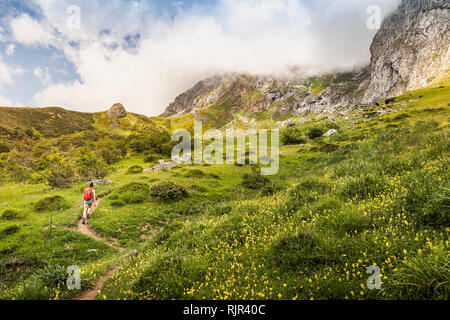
(372, 202)
(226, 242)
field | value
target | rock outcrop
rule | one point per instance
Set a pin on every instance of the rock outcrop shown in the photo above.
(117, 111)
(411, 49)
(256, 94)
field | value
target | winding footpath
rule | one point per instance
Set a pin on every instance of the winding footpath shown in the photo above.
(91, 294)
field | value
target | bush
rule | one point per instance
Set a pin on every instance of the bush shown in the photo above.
(315, 133)
(9, 231)
(151, 158)
(292, 136)
(389, 100)
(255, 180)
(135, 170)
(168, 191)
(10, 214)
(51, 204)
(4, 148)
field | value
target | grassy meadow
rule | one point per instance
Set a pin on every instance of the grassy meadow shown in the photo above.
(375, 193)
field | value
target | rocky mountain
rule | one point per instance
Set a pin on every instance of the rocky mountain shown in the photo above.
(410, 49)
(278, 95)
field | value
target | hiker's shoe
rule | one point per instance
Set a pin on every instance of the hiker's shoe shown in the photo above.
(84, 221)
(88, 216)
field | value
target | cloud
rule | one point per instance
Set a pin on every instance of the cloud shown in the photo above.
(174, 52)
(7, 72)
(43, 74)
(5, 102)
(28, 31)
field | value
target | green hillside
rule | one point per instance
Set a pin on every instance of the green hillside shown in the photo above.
(375, 193)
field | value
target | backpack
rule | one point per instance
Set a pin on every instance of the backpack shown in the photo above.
(88, 194)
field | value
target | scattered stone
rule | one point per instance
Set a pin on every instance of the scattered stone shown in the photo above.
(117, 111)
(99, 182)
(134, 253)
(161, 166)
(69, 247)
(329, 133)
(92, 250)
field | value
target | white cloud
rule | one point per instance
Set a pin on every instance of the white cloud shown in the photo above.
(28, 31)
(10, 50)
(43, 75)
(8, 72)
(256, 36)
(5, 102)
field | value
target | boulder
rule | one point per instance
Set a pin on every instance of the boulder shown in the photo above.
(329, 133)
(117, 111)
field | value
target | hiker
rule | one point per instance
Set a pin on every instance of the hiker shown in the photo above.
(88, 202)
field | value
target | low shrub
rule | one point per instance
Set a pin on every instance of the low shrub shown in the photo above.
(10, 214)
(292, 136)
(135, 170)
(4, 148)
(9, 231)
(51, 204)
(152, 158)
(315, 133)
(168, 191)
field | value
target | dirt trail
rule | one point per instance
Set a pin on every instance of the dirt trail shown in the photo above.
(92, 293)
(84, 229)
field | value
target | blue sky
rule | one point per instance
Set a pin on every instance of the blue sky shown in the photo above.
(144, 53)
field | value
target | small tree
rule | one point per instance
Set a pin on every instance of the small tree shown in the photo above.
(90, 165)
(59, 172)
